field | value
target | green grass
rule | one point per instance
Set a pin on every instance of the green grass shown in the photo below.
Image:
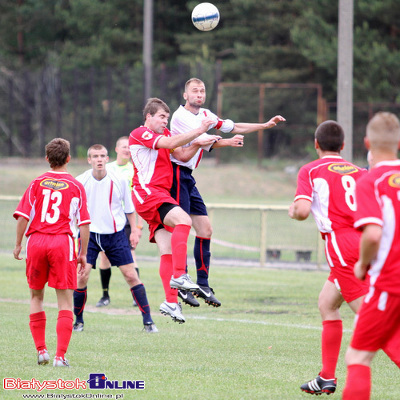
(261, 344)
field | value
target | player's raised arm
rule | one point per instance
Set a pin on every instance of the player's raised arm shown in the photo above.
(173, 142)
(245, 127)
(184, 154)
(234, 141)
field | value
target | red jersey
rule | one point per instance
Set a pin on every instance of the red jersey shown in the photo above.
(152, 166)
(330, 184)
(53, 203)
(378, 199)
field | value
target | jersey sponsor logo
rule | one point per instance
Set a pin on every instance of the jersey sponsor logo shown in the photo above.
(54, 184)
(147, 135)
(394, 181)
(343, 169)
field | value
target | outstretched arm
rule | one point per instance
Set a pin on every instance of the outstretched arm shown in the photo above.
(184, 154)
(244, 127)
(235, 141)
(172, 142)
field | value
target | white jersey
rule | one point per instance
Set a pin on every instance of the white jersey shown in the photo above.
(184, 121)
(108, 201)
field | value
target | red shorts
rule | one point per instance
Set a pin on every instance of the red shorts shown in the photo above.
(51, 259)
(377, 321)
(147, 205)
(342, 252)
(348, 285)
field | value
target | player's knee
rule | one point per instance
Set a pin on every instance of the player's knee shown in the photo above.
(185, 219)
(327, 309)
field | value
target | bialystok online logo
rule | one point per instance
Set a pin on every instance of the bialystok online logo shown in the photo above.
(95, 381)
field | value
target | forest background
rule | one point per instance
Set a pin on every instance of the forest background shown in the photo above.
(74, 68)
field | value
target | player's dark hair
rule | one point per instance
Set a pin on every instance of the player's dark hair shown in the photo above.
(330, 136)
(153, 105)
(57, 152)
(96, 147)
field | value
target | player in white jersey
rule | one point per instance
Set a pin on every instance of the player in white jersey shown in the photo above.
(122, 167)
(109, 203)
(187, 158)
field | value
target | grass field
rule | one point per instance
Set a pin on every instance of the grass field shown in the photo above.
(261, 344)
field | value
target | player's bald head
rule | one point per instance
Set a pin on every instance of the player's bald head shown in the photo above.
(383, 131)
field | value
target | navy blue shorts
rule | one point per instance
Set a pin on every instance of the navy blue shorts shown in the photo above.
(115, 246)
(185, 192)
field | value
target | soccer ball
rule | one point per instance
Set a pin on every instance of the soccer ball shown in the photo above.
(205, 16)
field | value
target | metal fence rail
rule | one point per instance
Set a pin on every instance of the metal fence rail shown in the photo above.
(242, 233)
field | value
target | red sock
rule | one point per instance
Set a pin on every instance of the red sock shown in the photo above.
(358, 383)
(179, 241)
(171, 295)
(37, 323)
(64, 331)
(331, 340)
(392, 347)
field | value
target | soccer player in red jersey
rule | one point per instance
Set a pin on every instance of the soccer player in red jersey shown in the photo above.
(377, 216)
(169, 225)
(326, 189)
(53, 203)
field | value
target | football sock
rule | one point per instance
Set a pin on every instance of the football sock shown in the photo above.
(37, 324)
(80, 296)
(392, 347)
(179, 240)
(171, 295)
(105, 276)
(139, 295)
(331, 340)
(64, 331)
(202, 257)
(358, 383)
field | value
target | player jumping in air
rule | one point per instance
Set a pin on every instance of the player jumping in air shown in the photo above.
(186, 159)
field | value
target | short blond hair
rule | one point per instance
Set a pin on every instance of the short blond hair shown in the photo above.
(96, 147)
(193, 80)
(383, 131)
(119, 140)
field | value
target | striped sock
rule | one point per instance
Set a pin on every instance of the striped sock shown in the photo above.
(80, 296)
(139, 295)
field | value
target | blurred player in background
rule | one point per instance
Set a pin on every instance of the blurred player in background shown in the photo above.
(110, 203)
(121, 166)
(326, 188)
(169, 225)
(185, 159)
(378, 217)
(53, 203)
